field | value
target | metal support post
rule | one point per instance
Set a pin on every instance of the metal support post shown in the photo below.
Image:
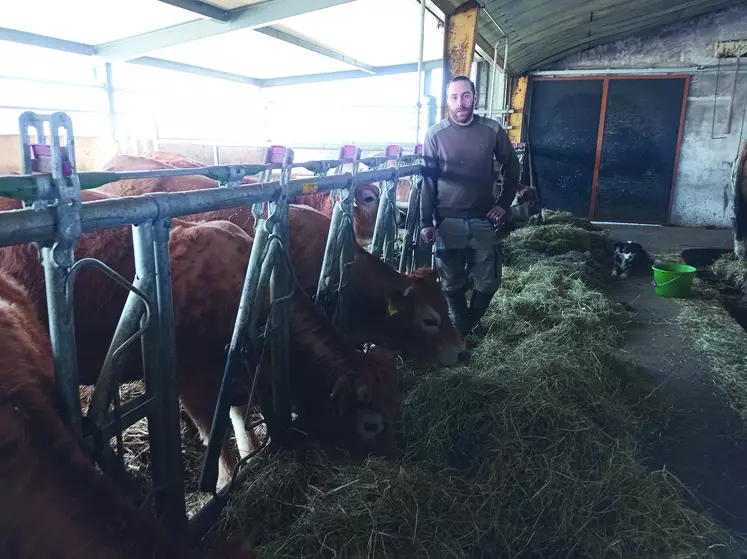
(58, 256)
(346, 245)
(385, 230)
(340, 235)
(130, 322)
(421, 43)
(410, 242)
(244, 346)
(164, 425)
(281, 287)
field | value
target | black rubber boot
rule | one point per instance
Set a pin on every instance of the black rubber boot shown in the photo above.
(459, 311)
(478, 306)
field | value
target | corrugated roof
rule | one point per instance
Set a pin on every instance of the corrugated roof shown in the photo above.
(544, 31)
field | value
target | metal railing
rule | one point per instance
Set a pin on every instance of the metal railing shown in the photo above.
(54, 216)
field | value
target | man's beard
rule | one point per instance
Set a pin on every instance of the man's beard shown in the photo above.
(464, 117)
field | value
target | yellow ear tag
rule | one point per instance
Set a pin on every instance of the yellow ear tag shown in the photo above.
(355, 204)
(391, 310)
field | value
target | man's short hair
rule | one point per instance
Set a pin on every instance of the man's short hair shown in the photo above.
(462, 79)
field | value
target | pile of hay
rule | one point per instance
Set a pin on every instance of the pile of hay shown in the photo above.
(732, 272)
(529, 449)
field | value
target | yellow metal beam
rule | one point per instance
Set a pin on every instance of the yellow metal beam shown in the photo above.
(460, 34)
(518, 101)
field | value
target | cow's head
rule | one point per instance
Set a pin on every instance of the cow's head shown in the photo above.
(420, 321)
(366, 208)
(367, 403)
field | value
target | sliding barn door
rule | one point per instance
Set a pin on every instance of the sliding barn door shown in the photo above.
(634, 145)
(563, 130)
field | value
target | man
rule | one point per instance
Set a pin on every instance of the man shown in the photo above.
(458, 205)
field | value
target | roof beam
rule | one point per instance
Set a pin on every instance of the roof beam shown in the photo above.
(294, 39)
(251, 17)
(201, 8)
(196, 70)
(26, 38)
(349, 75)
(482, 46)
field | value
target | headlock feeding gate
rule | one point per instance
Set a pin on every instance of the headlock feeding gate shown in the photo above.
(54, 217)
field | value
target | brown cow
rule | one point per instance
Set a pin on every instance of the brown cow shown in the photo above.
(173, 159)
(340, 394)
(366, 195)
(366, 206)
(406, 312)
(47, 483)
(204, 314)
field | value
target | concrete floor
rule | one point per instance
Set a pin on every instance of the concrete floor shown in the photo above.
(669, 239)
(701, 440)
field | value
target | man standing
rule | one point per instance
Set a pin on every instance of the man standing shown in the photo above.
(458, 205)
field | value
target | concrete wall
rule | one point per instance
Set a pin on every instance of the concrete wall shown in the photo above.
(702, 187)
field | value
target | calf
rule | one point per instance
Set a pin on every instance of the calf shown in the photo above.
(47, 483)
(404, 312)
(630, 259)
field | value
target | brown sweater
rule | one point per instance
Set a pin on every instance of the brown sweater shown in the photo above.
(459, 176)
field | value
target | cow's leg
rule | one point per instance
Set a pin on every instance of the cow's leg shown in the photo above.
(199, 395)
(246, 438)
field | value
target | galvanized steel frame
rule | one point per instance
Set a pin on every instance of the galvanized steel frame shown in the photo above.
(56, 219)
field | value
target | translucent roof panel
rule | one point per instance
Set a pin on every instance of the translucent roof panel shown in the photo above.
(252, 54)
(35, 62)
(91, 21)
(377, 32)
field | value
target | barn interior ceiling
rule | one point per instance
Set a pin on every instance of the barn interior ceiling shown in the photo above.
(274, 42)
(544, 31)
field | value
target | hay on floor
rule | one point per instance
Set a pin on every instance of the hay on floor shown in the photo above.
(528, 449)
(732, 272)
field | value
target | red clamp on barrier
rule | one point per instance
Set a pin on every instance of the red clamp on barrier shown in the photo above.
(347, 153)
(393, 151)
(419, 149)
(42, 162)
(275, 155)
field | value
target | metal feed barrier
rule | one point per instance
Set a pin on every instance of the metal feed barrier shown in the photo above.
(54, 217)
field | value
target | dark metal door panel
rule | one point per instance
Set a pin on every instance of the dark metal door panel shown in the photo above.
(563, 131)
(639, 149)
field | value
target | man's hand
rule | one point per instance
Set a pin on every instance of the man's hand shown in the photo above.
(428, 234)
(496, 214)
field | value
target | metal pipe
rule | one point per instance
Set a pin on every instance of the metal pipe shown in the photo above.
(421, 47)
(618, 72)
(62, 337)
(330, 259)
(505, 89)
(27, 226)
(110, 101)
(166, 455)
(281, 286)
(487, 13)
(411, 222)
(493, 73)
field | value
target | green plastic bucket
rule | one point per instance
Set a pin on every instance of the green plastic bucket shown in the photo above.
(673, 280)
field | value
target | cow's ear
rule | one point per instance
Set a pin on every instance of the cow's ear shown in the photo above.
(340, 395)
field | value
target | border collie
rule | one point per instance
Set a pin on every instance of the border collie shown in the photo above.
(630, 259)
